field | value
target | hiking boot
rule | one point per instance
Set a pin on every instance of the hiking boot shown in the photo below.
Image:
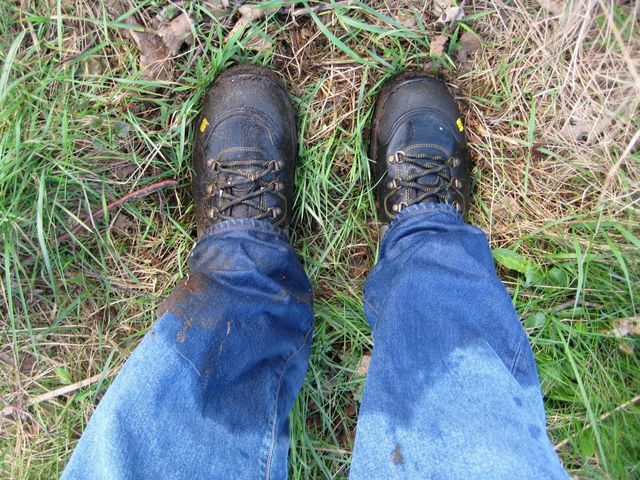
(418, 147)
(244, 151)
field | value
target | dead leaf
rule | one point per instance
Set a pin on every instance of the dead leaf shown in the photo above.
(123, 171)
(363, 365)
(156, 48)
(256, 12)
(438, 44)
(626, 326)
(506, 208)
(450, 16)
(155, 60)
(441, 6)
(177, 32)
(248, 14)
(216, 7)
(627, 348)
(123, 224)
(406, 19)
(469, 44)
(259, 43)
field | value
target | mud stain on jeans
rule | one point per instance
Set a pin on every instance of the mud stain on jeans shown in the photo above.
(191, 302)
(213, 356)
(182, 333)
(396, 456)
(186, 288)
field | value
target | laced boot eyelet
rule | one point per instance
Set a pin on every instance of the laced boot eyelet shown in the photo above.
(394, 183)
(398, 207)
(276, 186)
(456, 162)
(213, 164)
(457, 183)
(276, 165)
(275, 212)
(396, 157)
(212, 213)
(211, 188)
(457, 206)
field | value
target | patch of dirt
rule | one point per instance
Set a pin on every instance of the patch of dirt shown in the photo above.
(396, 455)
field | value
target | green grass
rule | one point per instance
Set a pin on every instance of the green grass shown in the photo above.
(72, 141)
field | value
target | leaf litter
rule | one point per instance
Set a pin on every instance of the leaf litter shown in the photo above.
(157, 48)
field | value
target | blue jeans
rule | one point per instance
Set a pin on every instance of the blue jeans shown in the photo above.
(452, 390)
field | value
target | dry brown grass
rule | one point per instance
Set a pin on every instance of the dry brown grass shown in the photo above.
(585, 91)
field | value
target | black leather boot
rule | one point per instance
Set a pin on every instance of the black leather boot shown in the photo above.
(418, 147)
(245, 150)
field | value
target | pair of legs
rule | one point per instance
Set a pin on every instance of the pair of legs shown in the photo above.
(452, 389)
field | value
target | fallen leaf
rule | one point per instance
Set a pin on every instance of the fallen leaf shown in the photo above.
(441, 6)
(123, 224)
(177, 32)
(256, 12)
(627, 348)
(248, 14)
(216, 7)
(626, 326)
(363, 365)
(469, 44)
(406, 19)
(259, 43)
(506, 208)
(155, 60)
(438, 44)
(450, 16)
(156, 48)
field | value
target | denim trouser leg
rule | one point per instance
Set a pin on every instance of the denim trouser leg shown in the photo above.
(207, 393)
(452, 390)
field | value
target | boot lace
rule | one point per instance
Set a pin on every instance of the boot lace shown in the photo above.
(437, 167)
(245, 184)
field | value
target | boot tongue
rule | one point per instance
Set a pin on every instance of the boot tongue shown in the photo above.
(427, 141)
(426, 135)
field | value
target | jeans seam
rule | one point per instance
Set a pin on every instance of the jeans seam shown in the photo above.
(267, 464)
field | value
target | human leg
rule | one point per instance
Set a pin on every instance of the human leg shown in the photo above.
(207, 392)
(452, 389)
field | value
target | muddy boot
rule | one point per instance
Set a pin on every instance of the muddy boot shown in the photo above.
(418, 147)
(245, 150)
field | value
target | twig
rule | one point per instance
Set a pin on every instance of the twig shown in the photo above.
(58, 392)
(571, 303)
(143, 192)
(603, 417)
